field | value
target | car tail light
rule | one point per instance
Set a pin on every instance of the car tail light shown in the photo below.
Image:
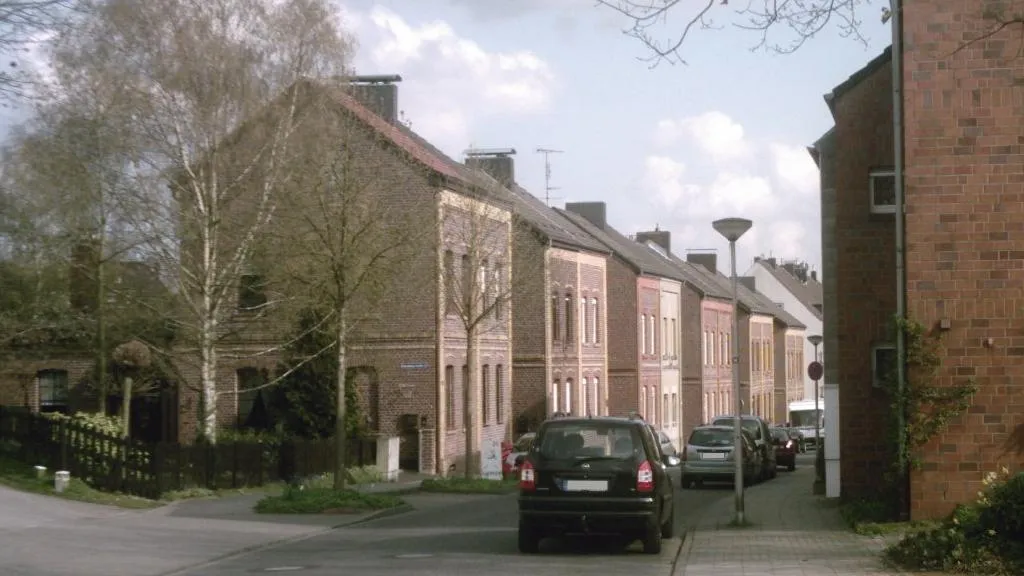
(789, 444)
(527, 477)
(645, 477)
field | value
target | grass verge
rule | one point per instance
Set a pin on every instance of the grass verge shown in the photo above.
(458, 485)
(325, 501)
(21, 476)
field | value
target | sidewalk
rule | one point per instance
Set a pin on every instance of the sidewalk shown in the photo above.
(794, 534)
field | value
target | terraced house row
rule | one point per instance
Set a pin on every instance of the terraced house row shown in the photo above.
(574, 316)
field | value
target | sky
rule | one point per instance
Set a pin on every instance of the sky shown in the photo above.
(670, 146)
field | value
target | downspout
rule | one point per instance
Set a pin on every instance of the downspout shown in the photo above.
(901, 282)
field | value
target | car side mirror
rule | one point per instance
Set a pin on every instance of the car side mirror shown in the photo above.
(672, 461)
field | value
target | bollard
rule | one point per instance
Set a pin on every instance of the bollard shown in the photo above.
(40, 472)
(61, 479)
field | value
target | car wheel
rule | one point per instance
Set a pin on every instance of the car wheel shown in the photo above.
(529, 540)
(668, 529)
(652, 540)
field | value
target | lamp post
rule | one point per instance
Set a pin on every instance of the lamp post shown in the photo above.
(732, 229)
(815, 341)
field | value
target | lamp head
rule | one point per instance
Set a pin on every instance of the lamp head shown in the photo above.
(814, 339)
(732, 228)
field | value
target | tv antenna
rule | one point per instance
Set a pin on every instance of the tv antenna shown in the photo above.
(548, 188)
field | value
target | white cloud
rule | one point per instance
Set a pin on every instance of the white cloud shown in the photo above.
(795, 169)
(715, 133)
(450, 82)
(775, 185)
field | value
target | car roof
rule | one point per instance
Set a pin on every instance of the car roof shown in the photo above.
(713, 427)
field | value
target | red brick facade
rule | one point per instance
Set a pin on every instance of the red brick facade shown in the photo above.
(789, 370)
(716, 358)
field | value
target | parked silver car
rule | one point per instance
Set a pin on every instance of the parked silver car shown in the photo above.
(709, 456)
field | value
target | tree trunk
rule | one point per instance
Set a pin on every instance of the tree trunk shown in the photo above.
(101, 324)
(471, 405)
(126, 407)
(208, 375)
(340, 436)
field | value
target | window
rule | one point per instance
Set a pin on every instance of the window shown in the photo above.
(723, 349)
(449, 282)
(449, 382)
(652, 338)
(595, 396)
(570, 318)
(567, 396)
(666, 415)
(643, 403)
(483, 287)
(585, 396)
(715, 359)
(664, 336)
(465, 395)
(652, 404)
(675, 409)
(53, 390)
(467, 284)
(883, 365)
(555, 335)
(554, 396)
(675, 340)
(485, 389)
(498, 287)
(248, 383)
(585, 320)
(595, 333)
(706, 348)
(499, 393)
(882, 185)
(250, 292)
(643, 333)
(728, 349)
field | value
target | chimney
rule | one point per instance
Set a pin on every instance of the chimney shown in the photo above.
(773, 262)
(750, 282)
(814, 275)
(594, 212)
(797, 269)
(662, 238)
(497, 163)
(708, 260)
(379, 93)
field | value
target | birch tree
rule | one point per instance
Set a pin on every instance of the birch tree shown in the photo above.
(22, 24)
(348, 228)
(478, 231)
(213, 96)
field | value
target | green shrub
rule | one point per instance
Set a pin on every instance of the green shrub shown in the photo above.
(461, 485)
(99, 458)
(302, 500)
(947, 548)
(1004, 512)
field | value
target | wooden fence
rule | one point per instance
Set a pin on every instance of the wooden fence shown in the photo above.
(114, 464)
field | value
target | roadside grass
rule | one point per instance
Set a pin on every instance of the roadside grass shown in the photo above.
(20, 476)
(460, 485)
(873, 517)
(303, 500)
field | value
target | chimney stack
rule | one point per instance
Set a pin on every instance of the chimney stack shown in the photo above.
(379, 93)
(593, 212)
(708, 260)
(750, 282)
(662, 238)
(497, 163)
(814, 275)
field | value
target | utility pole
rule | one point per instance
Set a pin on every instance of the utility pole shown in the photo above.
(548, 188)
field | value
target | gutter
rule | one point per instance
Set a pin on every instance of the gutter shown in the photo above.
(898, 169)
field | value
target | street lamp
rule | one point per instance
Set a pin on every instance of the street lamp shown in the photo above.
(815, 340)
(732, 229)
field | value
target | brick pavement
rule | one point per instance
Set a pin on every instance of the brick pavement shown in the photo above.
(794, 533)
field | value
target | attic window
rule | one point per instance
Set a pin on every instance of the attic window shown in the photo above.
(882, 186)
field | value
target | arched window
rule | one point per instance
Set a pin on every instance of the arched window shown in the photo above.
(570, 318)
(555, 332)
(555, 407)
(567, 396)
(585, 397)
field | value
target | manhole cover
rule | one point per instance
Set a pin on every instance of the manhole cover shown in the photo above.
(414, 556)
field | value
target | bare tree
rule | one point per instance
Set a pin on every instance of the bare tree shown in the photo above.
(22, 23)
(797, 20)
(348, 227)
(212, 95)
(476, 232)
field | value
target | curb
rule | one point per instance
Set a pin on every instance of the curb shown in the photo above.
(239, 552)
(684, 552)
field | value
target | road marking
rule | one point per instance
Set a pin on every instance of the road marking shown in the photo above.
(284, 569)
(414, 556)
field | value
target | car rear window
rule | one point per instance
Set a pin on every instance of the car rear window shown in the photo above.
(711, 437)
(752, 426)
(523, 444)
(780, 434)
(571, 440)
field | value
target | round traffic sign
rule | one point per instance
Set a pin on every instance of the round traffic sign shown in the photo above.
(815, 370)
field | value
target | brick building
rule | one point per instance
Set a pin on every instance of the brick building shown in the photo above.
(638, 281)
(559, 343)
(963, 244)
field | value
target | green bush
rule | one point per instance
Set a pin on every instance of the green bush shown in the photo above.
(99, 458)
(462, 485)
(1004, 512)
(947, 548)
(302, 500)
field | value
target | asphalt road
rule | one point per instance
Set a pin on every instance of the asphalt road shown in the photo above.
(449, 534)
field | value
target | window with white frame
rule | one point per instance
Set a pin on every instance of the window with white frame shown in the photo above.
(554, 396)
(585, 320)
(595, 396)
(585, 396)
(664, 336)
(883, 365)
(643, 402)
(675, 340)
(882, 188)
(666, 415)
(652, 337)
(643, 333)
(53, 390)
(567, 397)
(595, 333)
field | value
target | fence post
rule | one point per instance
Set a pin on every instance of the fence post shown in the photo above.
(62, 434)
(156, 458)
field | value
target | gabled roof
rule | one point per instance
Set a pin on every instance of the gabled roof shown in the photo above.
(639, 257)
(858, 76)
(746, 299)
(807, 293)
(692, 276)
(775, 310)
(550, 223)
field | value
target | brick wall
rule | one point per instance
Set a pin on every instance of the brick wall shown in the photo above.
(531, 331)
(691, 394)
(622, 338)
(965, 231)
(649, 393)
(863, 271)
(716, 318)
(19, 382)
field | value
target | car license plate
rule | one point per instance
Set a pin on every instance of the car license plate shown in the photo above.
(585, 486)
(712, 456)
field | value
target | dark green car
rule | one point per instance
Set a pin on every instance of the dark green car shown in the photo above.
(601, 475)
